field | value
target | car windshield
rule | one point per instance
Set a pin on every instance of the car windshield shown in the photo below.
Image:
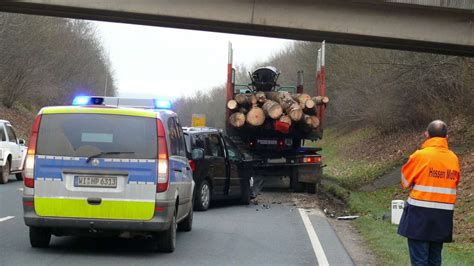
(83, 135)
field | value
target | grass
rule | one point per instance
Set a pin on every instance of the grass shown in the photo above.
(350, 171)
(346, 172)
(381, 236)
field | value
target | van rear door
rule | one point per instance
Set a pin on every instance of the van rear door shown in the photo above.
(93, 165)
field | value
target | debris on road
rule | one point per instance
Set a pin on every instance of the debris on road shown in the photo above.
(349, 217)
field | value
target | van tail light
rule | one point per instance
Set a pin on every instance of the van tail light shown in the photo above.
(193, 165)
(28, 171)
(163, 181)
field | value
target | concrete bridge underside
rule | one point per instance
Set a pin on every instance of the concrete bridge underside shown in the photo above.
(376, 23)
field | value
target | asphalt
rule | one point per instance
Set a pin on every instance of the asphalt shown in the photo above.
(228, 234)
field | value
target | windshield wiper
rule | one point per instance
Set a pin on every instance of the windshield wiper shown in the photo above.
(107, 153)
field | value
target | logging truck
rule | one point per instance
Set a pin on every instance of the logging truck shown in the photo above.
(272, 123)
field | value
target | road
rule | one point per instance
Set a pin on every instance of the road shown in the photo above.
(226, 234)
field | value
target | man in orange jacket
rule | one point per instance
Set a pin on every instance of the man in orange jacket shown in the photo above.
(433, 175)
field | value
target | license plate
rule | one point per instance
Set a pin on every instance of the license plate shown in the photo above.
(95, 181)
(267, 141)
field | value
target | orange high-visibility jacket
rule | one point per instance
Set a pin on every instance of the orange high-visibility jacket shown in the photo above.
(433, 173)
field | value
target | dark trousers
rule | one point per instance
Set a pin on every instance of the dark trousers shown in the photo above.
(423, 253)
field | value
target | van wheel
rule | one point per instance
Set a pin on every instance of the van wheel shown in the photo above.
(187, 224)
(4, 173)
(203, 196)
(39, 237)
(245, 199)
(19, 176)
(166, 241)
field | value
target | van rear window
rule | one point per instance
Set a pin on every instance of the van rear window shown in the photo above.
(83, 135)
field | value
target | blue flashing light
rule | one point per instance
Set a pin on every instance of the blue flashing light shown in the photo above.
(88, 100)
(81, 100)
(162, 104)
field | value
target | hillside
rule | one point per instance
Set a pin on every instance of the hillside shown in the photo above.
(21, 119)
(363, 171)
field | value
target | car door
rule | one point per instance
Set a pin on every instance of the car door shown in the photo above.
(14, 148)
(233, 162)
(180, 172)
(217, 164)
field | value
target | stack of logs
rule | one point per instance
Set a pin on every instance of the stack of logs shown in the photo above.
(288, 108)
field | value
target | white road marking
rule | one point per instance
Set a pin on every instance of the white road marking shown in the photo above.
(317, 248)
(6, 218)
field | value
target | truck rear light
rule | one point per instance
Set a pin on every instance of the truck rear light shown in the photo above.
(192, 164)
(162, 183)
(252, 144)
(312, 159)
(28, 171)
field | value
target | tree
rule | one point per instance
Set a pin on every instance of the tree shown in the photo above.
(47, 61)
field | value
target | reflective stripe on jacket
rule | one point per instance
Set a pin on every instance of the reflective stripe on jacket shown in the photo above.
(433, 174)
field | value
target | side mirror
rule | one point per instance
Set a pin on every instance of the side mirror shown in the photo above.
(197, 154)
(22, 142)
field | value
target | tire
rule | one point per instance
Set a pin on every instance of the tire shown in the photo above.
(19, 176)
(166, 241)
(5, 173)
(311, 188)
(294, 184)
(245, 199)
(39, 237)
(187, 224)
(203, 196)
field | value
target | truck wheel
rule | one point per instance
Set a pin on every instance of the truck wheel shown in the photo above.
(295, 185)
(166, 241)
(298, 186)
(245, 199)
(187, 224)
(4, 173)
(311, 188)
(19, 176)
(203, 196)
(39, 237)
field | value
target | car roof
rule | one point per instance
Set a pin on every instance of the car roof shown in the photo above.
(201, 130)
(4, 121)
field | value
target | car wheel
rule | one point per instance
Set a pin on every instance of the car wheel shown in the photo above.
(245, 199)
(166, 241)
(39, 237)
(19, 176)
(4, 173)
(203, 196)
(187, 224)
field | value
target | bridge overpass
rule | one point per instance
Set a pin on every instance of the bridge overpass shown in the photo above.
(437, 26)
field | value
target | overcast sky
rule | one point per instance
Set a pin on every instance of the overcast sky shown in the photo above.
(154, 61)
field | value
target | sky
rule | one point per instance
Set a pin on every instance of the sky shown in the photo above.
(164, 62)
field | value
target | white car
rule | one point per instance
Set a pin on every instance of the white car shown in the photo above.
(12, 152)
